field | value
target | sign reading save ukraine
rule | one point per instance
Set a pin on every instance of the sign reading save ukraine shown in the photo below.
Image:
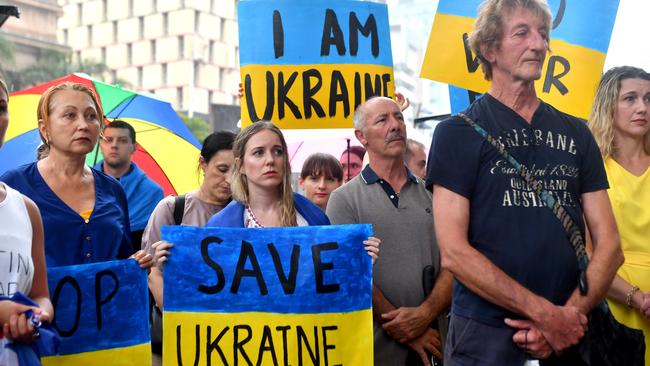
(310, 63)
(580, 36)
(100, 313)
(274, 296)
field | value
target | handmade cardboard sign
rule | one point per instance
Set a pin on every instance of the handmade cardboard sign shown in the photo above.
(309, 64)
(101, 314)
(580, 36)
(276, 296)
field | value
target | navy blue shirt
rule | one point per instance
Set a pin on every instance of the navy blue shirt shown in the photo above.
(69, 239)
(508, 223)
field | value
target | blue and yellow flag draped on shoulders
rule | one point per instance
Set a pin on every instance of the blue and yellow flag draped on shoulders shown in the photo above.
(580, 36)
(309, 63)
(101, 314)
(276, 296)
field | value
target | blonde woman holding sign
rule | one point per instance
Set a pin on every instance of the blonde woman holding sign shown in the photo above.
(261, 187)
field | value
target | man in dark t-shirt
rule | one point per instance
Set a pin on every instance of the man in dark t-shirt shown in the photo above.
(515, 295)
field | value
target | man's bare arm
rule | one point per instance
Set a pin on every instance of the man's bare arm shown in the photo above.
(606, 256)
(563, 326)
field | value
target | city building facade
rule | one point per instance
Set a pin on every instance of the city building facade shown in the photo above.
(185, 51)
(33, 34)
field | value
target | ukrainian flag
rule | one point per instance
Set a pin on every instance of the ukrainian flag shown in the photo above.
(579, 42)
(101, 314)
(327, 54)
(268, 296)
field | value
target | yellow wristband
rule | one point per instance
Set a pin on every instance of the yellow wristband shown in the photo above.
(630, 294)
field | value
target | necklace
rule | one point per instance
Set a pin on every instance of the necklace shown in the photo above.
(252, 216)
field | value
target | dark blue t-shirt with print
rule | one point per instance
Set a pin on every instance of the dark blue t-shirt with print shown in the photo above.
(508, 223)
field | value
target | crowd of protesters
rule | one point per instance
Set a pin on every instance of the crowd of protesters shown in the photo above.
(473, 270)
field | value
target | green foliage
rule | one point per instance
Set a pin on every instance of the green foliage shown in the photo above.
(6, 55)
(199, 127)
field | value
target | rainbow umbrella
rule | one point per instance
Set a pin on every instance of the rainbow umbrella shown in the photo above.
(167, 151)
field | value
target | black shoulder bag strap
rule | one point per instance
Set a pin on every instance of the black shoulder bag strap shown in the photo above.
(572, 230)
(179, 209)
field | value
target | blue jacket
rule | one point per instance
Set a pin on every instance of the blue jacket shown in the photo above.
(69, 239)
(142, 195)
(233, 214)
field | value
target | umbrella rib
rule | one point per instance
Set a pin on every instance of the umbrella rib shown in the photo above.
(130, 99)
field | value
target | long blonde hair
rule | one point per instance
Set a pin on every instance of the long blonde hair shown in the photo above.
(239, 182)
(601, 120)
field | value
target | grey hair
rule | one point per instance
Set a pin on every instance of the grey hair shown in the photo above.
(360, 113)
(359, 118)
(409, 149)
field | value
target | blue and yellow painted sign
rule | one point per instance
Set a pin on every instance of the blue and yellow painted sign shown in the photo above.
(276, 296)
(579, 42)
(100, 312)
(308, 64)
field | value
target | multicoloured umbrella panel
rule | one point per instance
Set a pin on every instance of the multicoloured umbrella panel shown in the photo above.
(167, 150)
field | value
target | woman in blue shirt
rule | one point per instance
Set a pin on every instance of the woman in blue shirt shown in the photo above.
(84, 211)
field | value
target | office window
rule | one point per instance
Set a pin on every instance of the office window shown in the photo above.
(197, 17)
(140, 77)
(141, 27)
(80, 15)
(179, 97)
(113, 76)
(104, 55)
(211, 52)
(164, 74)
(130, 8)
(165, 23)
(65, 36)
(222, 77)
(115, 31)
(89, 29)
(181, 47)
(129, 53)
(196, 72)
(152, 47)
(104, 10)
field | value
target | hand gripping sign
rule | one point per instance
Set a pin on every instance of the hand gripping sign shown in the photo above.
(276, 296)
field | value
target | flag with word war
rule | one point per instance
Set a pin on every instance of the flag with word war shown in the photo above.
(580, 35)
(309, 64)
(101, 314)
(273, 296)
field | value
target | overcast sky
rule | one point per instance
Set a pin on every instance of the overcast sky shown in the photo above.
(630, 44)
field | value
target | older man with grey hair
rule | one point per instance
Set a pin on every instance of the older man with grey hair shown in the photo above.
(516, 291)
(388, 196)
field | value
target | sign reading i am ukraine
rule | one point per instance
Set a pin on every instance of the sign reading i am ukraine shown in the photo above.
(580, 35)
(101, 314)
(275, 296)
(310, 63)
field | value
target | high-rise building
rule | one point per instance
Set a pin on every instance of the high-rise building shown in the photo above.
(185, 51)
(411, 22)
(33, 34)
